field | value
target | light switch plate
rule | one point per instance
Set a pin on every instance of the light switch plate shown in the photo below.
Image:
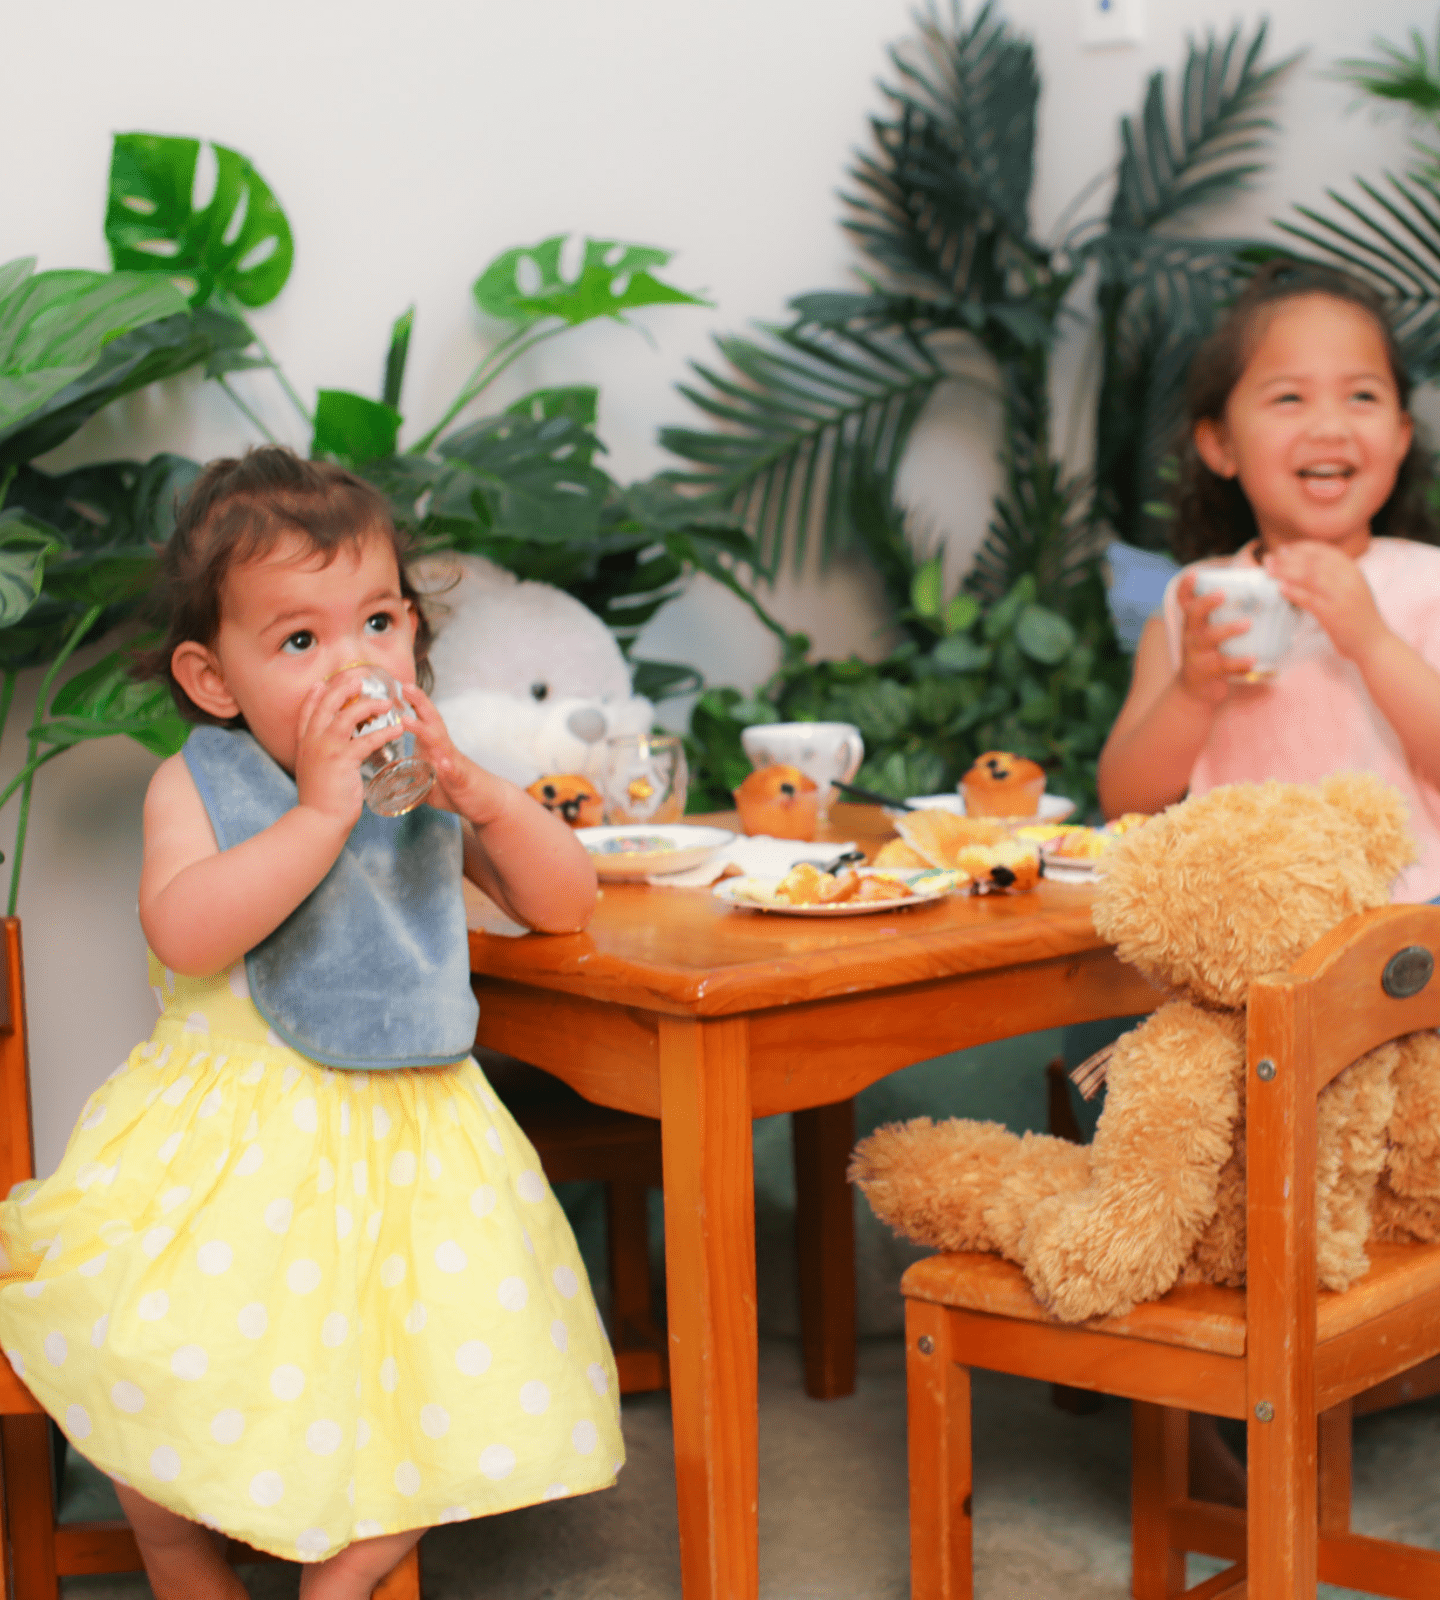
(1104, 22)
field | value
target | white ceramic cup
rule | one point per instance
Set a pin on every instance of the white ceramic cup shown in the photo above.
(1253, 597)
(823, 751)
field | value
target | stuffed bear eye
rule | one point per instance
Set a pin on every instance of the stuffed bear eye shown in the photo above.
(539, 691)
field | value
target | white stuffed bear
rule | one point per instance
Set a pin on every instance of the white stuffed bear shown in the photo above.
(527, 679)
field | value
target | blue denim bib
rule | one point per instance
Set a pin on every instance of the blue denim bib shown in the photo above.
(372, 969)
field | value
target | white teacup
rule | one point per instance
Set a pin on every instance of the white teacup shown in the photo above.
(1253, 597)
(824, 751)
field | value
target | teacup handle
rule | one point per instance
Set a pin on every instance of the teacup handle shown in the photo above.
(854, 754)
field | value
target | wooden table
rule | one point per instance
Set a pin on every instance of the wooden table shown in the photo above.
(673, 1006)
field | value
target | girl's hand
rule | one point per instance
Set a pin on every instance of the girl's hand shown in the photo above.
(460, 785)
(1206, 672)
(329, 753)
(1325, 582)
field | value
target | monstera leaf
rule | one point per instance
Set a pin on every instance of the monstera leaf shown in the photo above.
(108, 504)
(352, 428)
(238, 246)
(25, 546)
(104, 700)
(526, 286)
(131, 361)
(54, 327)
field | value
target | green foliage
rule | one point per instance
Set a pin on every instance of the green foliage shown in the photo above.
(809, 424)
(528, 285)
(237, 248)
(813, 419)
(1016, 676)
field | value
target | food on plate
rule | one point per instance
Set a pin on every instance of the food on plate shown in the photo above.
(1008, 867)
(1002, 785)
(780, 801)
(882, 886)
(1045, 833)
(1082, 844)
(807, 885)
(570, 796)
(1077, 844)
(896, 853)
(938, 836)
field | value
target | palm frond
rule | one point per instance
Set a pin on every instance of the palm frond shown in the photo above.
(1394, 241)
(1207, 145)
(1040, 526)
(1405, 77)
(943, 204)
(803, 414)
(1164, 297)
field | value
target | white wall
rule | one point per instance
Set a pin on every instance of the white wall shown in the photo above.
(411, 144)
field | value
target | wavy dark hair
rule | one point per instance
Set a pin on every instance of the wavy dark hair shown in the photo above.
(240, 508)
(1212, 515)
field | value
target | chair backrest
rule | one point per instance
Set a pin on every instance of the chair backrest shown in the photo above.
(17, 1140)
(1370, 980)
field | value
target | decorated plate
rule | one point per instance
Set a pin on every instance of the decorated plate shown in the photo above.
(758, 894)
(1053, 807)
(649, 850)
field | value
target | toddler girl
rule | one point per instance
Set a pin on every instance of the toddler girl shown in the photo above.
(298, 1277)
(1301, 458)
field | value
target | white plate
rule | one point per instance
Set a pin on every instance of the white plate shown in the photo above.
(646, 850)
(756, 894)
(1053, 807)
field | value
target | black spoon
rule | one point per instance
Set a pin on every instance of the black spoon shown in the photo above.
(871, 798)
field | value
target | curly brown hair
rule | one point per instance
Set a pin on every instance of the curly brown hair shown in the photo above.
(240, 508)
(1212, 515)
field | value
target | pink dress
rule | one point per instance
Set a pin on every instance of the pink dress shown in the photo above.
(1316, 717)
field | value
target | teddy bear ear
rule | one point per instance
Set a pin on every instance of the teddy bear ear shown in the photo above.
(1383, 819)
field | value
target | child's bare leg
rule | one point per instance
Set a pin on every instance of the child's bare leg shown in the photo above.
(182, 1559)
(353, 1573)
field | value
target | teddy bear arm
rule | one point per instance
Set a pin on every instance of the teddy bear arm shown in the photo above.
(962, 1185)
(1412, 1161)
(1164, 1137)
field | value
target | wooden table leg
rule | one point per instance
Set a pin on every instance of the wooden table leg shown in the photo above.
(710, 1277)
(825, 1247)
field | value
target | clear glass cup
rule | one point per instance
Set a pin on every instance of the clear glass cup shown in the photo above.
(396, 780)
(643, 778)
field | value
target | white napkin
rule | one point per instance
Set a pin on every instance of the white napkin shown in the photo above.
(759, 857)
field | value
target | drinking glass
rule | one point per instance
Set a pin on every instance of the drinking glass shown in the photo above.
(396, 780)
(643, 778)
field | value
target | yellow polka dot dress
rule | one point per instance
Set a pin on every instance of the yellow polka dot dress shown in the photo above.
(301, 1305)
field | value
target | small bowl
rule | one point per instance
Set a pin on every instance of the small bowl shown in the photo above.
(650, 849)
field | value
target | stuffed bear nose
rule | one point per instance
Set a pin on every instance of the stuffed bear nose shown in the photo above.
(586, 724)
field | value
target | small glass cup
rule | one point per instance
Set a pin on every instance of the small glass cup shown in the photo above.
(644, 778)
(395, 780)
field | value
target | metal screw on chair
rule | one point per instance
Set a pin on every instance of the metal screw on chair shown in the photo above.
(926, 1345)
(1407, 972)
(1265, 1070)
(1265, 1412)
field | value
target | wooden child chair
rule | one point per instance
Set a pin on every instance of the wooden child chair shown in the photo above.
(36, 1549)
(1287, 1359)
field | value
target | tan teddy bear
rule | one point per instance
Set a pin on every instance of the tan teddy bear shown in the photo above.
(1205, 897)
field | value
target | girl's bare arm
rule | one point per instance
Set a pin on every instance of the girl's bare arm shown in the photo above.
(1161, 729)
(1167, 716)
(202, 908)
(524, 857)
